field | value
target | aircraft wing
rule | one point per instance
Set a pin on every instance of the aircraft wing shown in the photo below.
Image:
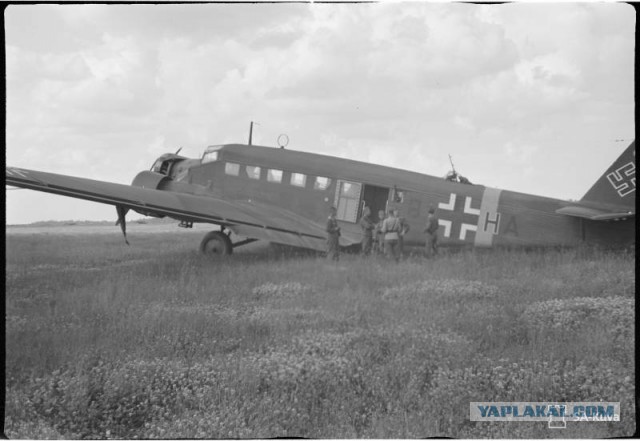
(596, 214)
(244, 218)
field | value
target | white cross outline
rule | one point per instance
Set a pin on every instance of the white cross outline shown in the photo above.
(468, 209)
(447, 226)
(616, 179)
(448, 206)
(464, 227)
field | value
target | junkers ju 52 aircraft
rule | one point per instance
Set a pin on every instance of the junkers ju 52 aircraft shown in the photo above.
(283, 196)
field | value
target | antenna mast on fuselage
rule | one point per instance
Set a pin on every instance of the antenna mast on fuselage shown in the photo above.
(250, 132)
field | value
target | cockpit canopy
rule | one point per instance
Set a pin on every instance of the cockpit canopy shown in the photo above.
(163, 163)
(211, 154)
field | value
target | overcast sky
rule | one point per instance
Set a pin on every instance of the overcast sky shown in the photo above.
(537, 98)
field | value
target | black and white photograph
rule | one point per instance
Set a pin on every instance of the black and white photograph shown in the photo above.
(367, 220)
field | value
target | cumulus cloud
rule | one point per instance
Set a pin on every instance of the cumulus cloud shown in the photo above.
(102, 89)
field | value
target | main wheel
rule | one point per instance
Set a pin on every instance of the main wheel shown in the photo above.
(216, 243)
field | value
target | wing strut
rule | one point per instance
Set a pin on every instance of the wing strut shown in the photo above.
(122, 212)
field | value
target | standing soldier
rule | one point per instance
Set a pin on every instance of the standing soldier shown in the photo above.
(404, 229)
(391, 231)
(333, 230)
(431, 230)
(379, 237)
(367, 226)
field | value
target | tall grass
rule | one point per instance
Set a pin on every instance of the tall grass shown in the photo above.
(155, 341)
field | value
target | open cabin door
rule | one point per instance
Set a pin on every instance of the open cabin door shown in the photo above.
(352, 197)
(348, 200)
(376, 198)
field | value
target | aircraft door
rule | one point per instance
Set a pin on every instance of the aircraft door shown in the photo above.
(376, 199)
(348, 200)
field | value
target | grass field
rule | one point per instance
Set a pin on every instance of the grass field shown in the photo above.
(155, 341)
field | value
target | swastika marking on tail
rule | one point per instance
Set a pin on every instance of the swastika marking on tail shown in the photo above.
(623, 179)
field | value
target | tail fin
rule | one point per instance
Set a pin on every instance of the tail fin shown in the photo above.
(617, 186)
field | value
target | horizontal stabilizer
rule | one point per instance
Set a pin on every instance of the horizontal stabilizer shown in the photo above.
(594, 213)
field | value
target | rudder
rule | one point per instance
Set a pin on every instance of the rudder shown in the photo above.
(617, 186)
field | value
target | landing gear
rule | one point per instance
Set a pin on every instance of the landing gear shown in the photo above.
(216, 243)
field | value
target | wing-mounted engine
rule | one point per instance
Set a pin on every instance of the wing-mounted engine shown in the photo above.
(152, 180)
(159, 178)
(170, 172)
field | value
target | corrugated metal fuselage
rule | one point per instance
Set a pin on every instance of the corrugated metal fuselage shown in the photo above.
(468, 214)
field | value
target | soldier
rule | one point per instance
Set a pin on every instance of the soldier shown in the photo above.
(391, 231)
(379, 234)
(431, 231)
(451, 176)
(333, 238)
(404, 229)
(379, 237)
(367, 226)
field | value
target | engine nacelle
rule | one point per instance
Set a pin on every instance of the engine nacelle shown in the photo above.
(153, 181)
(149, 179)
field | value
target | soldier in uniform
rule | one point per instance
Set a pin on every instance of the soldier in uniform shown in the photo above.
(333, 231)
(404, 229)
(367, 226)
(391, 230)
(379, 237)
(431, 231)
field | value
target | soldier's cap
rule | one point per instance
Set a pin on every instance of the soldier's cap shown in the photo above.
(432, 210)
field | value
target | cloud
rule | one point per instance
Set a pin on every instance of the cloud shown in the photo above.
(401, 84)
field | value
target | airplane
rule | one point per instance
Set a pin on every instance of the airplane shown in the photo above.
(283, 196)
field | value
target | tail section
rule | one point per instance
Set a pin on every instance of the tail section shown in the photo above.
(617, 186)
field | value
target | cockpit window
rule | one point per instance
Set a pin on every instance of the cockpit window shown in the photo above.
(210, 154)
(156, 166)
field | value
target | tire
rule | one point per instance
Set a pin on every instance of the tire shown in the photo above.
(216, 244)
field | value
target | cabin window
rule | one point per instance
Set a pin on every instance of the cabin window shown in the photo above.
(274, 175)
(348, 200)
(211, 154)
(253, 172)
(231, 168)
(321, 183)
(398, 195)
(298, 179)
